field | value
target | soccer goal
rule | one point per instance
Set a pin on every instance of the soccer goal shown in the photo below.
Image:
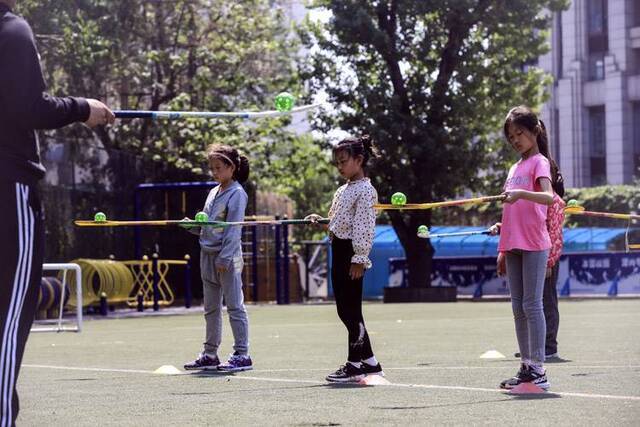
(60, 324)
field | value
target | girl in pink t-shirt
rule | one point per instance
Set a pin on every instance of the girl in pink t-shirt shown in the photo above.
(525, 241)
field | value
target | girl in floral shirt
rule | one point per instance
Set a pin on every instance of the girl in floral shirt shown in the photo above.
(555, 220)
(351, 229)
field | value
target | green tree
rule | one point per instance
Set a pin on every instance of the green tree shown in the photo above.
(431, 82)
(210, 55)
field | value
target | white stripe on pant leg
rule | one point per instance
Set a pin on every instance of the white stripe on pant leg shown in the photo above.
(17, 300)
(29, 220)
(4, 365)
(30, 223)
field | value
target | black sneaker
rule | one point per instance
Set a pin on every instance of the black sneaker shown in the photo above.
(372, 370)
(203, 362)
(346, 373)
(510, 383)
(526, 375)
(531, 376)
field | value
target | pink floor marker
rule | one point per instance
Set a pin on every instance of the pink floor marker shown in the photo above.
(373, 380)
(526, 388)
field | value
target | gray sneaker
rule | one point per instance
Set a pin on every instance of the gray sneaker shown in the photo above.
(203, 362)
(237, 362)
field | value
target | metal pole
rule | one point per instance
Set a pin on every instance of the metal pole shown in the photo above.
(307, 254)
(254, 261)
(329, 271)
(136, 230)
(285, 260)
(154, 266)
(187, 282)
(278, 264)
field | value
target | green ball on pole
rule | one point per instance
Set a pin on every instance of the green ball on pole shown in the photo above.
(398, 199)
(100, 217)
(573, 203)
(202, 217)
(423, 231)
(284, 101)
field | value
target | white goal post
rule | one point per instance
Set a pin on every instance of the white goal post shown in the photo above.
(58, 325)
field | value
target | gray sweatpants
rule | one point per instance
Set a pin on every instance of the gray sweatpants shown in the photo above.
(216, 286)
(525, 274)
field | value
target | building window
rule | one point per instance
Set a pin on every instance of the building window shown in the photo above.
(636, 139)
(598, 40)
(597, 20)
(597, 145)
(635, 60)
(636, 13)
(558, 31)
(596, 66)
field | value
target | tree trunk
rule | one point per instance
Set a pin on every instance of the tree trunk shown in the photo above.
(419, 252)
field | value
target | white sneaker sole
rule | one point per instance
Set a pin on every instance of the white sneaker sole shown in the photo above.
(203, 368)
(543, 386)
(353, 379)
(243, 368)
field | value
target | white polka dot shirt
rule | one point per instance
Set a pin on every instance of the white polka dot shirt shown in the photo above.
(352, 217)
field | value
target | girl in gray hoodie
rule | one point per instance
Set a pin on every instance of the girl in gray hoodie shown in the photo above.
(221, 261)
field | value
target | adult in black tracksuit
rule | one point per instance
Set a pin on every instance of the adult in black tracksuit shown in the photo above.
(24, 107)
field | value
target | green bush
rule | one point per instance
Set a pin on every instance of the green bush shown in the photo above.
(607, 198)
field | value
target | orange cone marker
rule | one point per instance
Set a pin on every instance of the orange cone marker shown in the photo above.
(373, 380)
(526, 388)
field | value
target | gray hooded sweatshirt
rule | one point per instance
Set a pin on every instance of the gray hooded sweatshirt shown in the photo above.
(226, 205)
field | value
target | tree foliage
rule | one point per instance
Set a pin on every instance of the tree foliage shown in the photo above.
(210, 55)
(431, 82)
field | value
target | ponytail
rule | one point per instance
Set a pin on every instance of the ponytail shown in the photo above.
(241, 173)
(362, 146)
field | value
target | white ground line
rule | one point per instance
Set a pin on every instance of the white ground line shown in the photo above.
(298, 381)
(457, 368)
(79, 368)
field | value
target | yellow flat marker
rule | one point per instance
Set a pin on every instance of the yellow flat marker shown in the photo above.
(167, 370)
(492, 354)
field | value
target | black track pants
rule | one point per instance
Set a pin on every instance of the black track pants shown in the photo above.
(21, 254)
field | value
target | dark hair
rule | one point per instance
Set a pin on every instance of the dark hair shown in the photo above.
(523, 117)
(362, 146)
(231, 157)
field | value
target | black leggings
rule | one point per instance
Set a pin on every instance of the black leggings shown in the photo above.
(348, 295)
(551, 313)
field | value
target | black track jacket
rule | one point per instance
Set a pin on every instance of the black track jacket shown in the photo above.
(24, 107)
